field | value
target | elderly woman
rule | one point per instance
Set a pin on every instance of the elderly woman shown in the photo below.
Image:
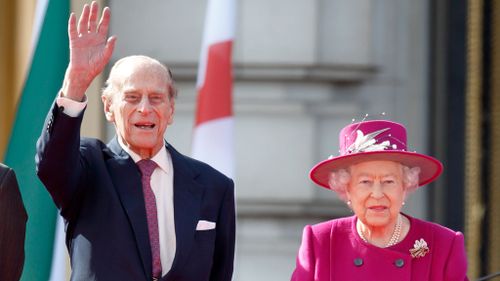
(374, 174)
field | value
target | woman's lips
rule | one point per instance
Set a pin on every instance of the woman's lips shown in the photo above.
(378, 208)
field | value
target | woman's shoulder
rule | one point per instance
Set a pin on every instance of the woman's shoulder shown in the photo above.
(446, 246)
(439, 231)
(334, 225)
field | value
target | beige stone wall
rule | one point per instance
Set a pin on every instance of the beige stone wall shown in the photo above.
(16, 20)
(16, 23)
(303, 69)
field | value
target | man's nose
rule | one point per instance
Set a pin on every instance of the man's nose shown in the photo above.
(144, 106)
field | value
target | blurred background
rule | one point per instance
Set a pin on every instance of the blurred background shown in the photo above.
(303, 69)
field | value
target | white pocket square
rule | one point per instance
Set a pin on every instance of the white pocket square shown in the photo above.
(205, 225)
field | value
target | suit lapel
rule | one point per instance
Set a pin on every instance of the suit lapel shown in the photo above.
(127, 182)
(187, 203)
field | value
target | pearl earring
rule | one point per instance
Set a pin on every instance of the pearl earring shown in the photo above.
(349, 205)
(404, 203)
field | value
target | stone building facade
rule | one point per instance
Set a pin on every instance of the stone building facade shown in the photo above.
(303, 69)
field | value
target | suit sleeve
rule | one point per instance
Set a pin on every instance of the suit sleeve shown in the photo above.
(304, 269)
(456, 265)
(13, 219)
(223, 262)
(58, 161)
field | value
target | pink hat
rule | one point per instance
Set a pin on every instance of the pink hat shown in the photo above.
(375, 140)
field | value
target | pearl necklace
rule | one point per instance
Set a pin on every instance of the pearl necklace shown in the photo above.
(395, 234)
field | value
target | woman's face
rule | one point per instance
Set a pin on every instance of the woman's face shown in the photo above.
(376, 192)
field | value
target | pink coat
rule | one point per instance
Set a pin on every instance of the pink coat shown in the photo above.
(333, 250)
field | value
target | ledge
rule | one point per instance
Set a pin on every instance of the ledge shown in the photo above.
(328, 73)
(313, 209)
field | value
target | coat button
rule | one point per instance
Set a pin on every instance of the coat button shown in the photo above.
(358, 262)
(399, 263)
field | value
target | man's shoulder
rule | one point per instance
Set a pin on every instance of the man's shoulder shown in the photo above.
(203, 167)
(86, 142)
(90, 141)
(4, 169)
(200, 168)
(93, 146)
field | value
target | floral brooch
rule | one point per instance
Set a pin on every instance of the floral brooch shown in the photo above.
(420, 249)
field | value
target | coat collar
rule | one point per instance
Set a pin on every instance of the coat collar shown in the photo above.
(187, 192)
(130, 193)
(346, 246)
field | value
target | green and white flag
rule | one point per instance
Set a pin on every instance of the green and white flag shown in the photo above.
(48, 62)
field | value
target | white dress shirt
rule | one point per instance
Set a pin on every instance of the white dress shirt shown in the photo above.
(162, 183)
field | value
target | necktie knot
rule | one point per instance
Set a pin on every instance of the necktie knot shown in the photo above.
(147, 166)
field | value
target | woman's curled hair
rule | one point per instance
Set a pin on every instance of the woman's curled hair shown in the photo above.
(339, 180)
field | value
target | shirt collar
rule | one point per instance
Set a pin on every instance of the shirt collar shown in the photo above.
(161, 158)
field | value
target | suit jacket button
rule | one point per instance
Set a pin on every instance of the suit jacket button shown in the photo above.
(399, 263)
(358, 262)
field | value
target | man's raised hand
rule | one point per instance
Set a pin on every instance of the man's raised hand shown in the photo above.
(90, 50)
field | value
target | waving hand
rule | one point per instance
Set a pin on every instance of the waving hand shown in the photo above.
(90, 50)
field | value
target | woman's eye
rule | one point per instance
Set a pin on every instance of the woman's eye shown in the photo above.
(389, 182)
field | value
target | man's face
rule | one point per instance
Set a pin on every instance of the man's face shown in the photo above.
(142, 109)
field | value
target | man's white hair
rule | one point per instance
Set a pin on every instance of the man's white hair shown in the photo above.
(124, 66)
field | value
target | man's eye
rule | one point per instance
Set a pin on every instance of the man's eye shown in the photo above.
(131, 98)
(156, 99)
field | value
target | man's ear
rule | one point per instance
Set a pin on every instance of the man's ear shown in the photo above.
(172, 111)
(108, 112)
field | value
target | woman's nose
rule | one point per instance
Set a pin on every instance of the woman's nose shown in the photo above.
(377, 191)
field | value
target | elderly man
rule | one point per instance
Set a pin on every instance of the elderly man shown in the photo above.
(13, 219)
(135, 209)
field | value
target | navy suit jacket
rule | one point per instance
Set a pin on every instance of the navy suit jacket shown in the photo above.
(97, 188)
(13, 219)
